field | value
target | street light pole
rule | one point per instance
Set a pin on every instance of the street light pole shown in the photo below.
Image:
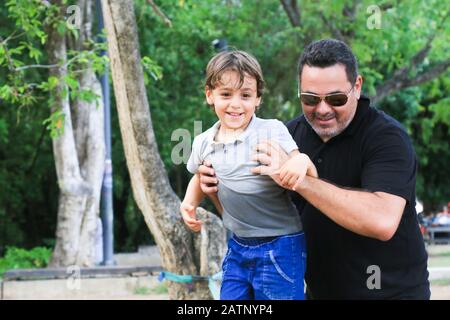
(107, 187)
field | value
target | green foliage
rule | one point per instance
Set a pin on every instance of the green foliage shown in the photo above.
(264, 30)
(55, 123)
(21, 54)
(152, 69)
(17, 258)
(174, 61)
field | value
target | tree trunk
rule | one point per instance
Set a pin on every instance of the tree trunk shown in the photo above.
(79, 154)
(182, 252)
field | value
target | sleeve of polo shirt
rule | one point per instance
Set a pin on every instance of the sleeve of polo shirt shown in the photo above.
(284, 138)
(195, 159)
(389, 163)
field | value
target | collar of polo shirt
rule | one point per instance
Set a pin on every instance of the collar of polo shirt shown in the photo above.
(241, 137)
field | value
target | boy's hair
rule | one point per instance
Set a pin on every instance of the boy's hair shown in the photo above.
(241, 62)
(326, 53)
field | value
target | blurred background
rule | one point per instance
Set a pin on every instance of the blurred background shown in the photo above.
(402, 48)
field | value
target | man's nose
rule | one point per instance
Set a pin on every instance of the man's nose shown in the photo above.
(323, 107)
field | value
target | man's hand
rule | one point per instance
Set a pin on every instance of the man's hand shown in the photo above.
(208, 180)
(189, 216)
(287, 171)
(271, 156)
(293, 172)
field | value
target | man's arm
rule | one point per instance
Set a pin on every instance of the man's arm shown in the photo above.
(371, 214)
(281, 167)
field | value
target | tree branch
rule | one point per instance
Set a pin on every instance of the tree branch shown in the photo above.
(291, 8)
(335, 31)
(388, 5)
(160, 13)
(404, 82)
(430, 74)
(50, 66)
(42, 66)
(400, 78)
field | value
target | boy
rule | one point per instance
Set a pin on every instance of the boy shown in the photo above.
(266, 255)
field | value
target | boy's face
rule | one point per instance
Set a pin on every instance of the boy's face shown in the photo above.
(234, 106)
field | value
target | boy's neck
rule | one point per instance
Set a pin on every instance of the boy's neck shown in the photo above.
(226, 135)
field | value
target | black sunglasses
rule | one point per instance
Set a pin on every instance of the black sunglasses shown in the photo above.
(334, 99)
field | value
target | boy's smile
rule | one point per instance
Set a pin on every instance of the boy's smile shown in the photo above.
(234, 103)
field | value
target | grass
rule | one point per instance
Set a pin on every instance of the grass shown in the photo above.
(18, 258)
(161, 288)
(439, 256)
(158, 289)
(142, 291)
(440, 282)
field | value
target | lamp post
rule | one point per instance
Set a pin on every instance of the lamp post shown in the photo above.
(220, 44)
(107, 216)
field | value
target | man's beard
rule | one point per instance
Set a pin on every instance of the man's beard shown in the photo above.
(328, 133)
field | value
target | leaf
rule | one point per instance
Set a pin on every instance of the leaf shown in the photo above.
(71, 82)
(52, 82)
(6, 92)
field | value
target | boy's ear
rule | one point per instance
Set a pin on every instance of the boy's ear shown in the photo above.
(209, 95)
(258, 102)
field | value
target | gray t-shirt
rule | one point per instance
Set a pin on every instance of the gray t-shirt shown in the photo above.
(254, 205)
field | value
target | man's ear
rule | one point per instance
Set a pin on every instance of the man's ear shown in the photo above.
(209, 96)
(358, 86)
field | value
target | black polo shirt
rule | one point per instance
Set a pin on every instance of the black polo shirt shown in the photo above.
(373, 153)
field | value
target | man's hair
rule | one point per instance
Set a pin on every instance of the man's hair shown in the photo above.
(326, 53)
(241, 62)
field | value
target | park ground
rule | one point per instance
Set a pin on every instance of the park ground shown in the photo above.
(149, 288)
(438, 262)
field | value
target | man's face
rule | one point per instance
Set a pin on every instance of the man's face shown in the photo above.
(328, 121)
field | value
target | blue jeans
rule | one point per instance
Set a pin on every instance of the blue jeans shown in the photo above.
(264, 268)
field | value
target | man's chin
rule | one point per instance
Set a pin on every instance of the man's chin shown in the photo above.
(326, 133)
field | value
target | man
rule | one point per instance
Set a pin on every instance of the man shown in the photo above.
(362, 234)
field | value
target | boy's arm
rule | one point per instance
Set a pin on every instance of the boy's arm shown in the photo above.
(194, 194)
(192, 199)
(311, 169)
(215, 200)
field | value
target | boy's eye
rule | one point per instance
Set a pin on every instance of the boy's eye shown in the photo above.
(246, 95)
(225, 94)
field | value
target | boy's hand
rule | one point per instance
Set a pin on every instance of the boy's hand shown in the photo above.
(188, 213)
(295, 169)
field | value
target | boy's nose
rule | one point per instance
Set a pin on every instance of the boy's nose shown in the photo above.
(235, 102)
